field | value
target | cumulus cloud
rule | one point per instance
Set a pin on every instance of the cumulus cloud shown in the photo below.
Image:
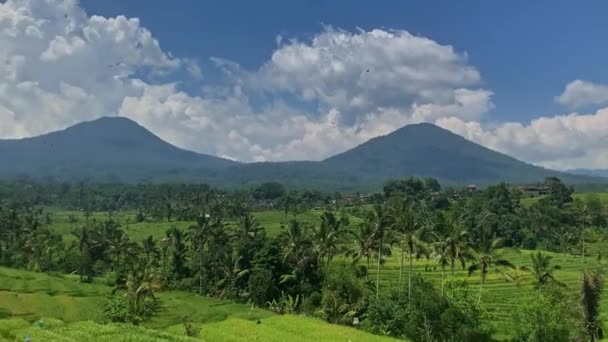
(309, 100)
(59, 66)
(560, 142)
(580, 93)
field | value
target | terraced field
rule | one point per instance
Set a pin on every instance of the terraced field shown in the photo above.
(74, 312)
(499, 296)
(271, 220)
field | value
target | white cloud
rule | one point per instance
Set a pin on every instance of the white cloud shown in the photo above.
(562, 142)
(59, 66)
(580, 93)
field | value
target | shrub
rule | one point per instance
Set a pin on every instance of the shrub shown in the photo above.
(549, 316)
(344, 296)
(261, 286)
(117, 309)
(427, 315)
(190, 329)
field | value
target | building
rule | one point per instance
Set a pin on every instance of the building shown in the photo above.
(533, 190)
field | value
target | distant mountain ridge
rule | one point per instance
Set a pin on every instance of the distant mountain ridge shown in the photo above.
(117, 149)
(589, 172)
(109, 147)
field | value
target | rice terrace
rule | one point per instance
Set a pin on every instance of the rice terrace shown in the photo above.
(303, 171)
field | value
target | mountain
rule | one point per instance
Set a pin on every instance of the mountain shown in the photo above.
(104, 149)
(589, 172)
(425, 150)
(116, 149)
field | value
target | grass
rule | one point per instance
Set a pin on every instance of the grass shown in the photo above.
(73, 311)
(273, 329)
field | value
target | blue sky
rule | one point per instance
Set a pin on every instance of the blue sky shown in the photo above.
(526, 51)
(286, 80)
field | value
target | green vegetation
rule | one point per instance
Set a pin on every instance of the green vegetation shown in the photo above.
(417, 262)
(118, 150)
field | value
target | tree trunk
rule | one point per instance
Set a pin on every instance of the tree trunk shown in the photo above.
(453, 276)
(200, 275)
(401, 267)
(442, 279)
(480, 289)
(409, 278)
(367, 269)
(378, 270)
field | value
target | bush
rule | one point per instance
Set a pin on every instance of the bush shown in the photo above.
(311, 304)
(117, 309)
(261, 286)
(191, 329)
(344, 295)
(427, 315)
(550, 316)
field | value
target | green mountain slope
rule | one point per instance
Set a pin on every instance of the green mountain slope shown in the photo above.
(426, 150)
(104, 149)
(119, 150)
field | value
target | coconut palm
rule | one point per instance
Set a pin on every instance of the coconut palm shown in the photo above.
(409, 227)
(363, 245)
(487, 254)
(440, 252)
(139, 287)
(198, 235)
(150, 251)
(328, 236)
(543, 270)
(380, 223)
(295, 240)
(566, 241)
(85, 242)
(591, 290)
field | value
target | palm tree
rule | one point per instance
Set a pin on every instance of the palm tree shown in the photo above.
(441, 253)
(487, 253)
(140, 285)
(327, 237)
(231, 271)
(591, 290)
(407, 224)
(565, 240)
(380, 223)
(150, 251)
(84, 243)
(247, 228)
(363, 247)
(295, 240)
(120, 247)
(542, 270)
(198, 236)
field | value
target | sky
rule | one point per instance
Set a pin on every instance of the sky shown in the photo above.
(278, 80)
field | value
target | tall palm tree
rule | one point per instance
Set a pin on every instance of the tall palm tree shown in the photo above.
(409, 228)
(440, 252)
(566, 241)
(295, 240)
(150, 251)
(380, 223)
(198, 235)
(363, 245)
(487, 253)
(591, 290)
(247, 228)
(328, 236)
(543, 270)
(84, 243)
